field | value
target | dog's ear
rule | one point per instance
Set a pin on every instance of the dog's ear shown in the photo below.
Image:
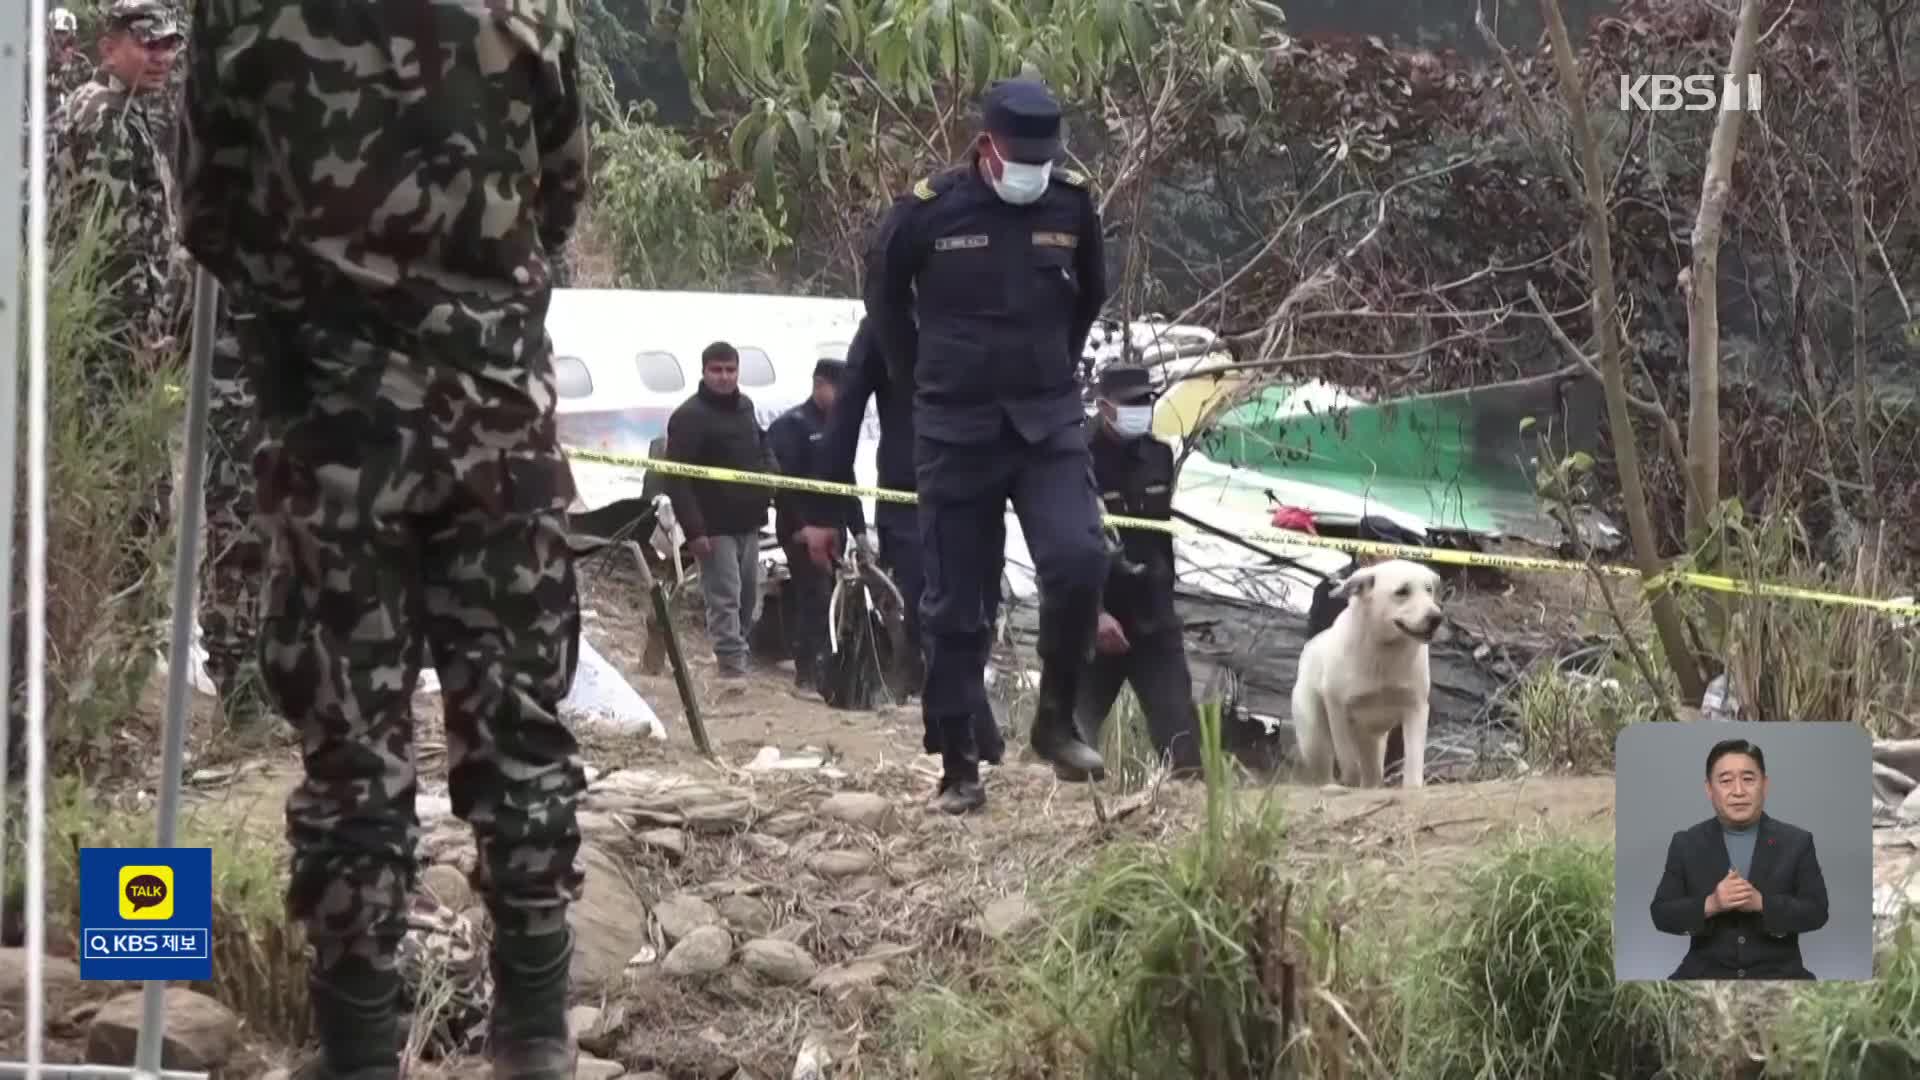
(1359, 583)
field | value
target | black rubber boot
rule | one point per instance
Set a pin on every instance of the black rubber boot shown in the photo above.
(1066, 640)
(960, 789)
(528, 1037)
(356, 1016)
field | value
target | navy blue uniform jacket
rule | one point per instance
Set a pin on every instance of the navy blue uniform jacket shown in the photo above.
(983, 307)
(867, 378)
(794, 437)
(1742, 944)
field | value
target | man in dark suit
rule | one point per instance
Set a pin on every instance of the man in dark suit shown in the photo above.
(1743, 886)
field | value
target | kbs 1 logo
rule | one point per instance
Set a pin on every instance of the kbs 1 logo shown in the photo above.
(1689, 93)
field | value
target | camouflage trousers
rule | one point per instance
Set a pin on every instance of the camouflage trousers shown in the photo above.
(412, 507)
(235, 556)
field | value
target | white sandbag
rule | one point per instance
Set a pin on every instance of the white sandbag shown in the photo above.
(603, 699)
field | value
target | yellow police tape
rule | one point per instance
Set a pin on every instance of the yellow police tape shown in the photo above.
(1524, 563)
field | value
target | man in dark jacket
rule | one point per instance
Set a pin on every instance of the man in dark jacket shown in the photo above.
(1743, 886)
(897, 523)
(795, 440)
(716, 426)
(1139, 640)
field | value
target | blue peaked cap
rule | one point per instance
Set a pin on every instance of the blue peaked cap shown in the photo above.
(1024, 119)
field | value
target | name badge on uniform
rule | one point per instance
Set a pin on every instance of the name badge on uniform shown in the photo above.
(1055, 239)
(960, 243)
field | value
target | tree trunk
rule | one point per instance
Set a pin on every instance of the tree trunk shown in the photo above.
(1703, 301)
(1666, 613)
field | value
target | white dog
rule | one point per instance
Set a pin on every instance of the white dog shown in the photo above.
(1367, 674)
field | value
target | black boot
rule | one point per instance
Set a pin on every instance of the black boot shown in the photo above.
(356, 1016)
(528, 1037)
(1066, 640)
(960, 789)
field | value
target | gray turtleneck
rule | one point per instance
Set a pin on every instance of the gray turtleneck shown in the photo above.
(1740, 846)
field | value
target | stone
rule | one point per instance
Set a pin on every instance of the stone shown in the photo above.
(722, 817)
(448, 885)
(58, 977)
(593, 1068)
(844, 979)
(867, 883)
(669, 842)
(771, 847)
(747, 914)
(201, 1033)
(583, 1021)
(840, 864)
(609, 922)
(862, 808)
(683, 913)
(786, 823)
(703, 952)
(795, 932)
(778, 961)
(1007, 915)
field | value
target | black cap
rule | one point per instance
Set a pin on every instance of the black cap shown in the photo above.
(829, 368)
(1024, 120)
(1125, 385)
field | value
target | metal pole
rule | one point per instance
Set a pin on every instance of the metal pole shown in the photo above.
(186, 563)
(36, 572)
(13, 85)
(8, 1071)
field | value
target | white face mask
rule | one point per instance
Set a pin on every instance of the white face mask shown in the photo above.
(1132, 421)
(1022, 184)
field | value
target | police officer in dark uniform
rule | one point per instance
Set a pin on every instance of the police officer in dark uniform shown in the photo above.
(984, 282)
(794, 438)
(1140, 640)
(867, 378)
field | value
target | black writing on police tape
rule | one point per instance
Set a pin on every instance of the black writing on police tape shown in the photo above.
(1711, 582)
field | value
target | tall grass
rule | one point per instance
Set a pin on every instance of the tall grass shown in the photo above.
(1868, 1030)
(1199, 959)
(104, 456)
(259, 958)
(1522, 983)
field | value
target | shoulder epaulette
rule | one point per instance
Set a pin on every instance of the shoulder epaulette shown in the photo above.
(1074, 177)
(928, 188)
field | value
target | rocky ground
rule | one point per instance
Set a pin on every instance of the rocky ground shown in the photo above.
(768, 907)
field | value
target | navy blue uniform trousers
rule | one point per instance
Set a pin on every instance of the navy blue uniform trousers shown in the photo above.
(900, 554)
(964, 490)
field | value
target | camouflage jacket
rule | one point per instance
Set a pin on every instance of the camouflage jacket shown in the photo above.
(67, 76)
(108, 162)
(415, 214)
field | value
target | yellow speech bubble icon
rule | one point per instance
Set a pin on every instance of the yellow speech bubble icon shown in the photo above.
(146, 892)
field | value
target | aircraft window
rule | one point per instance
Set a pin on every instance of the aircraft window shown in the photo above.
(660, 372)
(571, 377)
(756, 367)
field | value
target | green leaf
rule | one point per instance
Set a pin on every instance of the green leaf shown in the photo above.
(1580, 462)
(1527, 423)
(737, 144)
(802, 132)
(766, 151)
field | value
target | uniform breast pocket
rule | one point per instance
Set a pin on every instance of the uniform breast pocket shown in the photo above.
(1058, 277)
(960, 275)
(1156, 500)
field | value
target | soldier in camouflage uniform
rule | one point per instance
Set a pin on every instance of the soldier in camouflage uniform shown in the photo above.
(67, 64)
(376, 185)
(109, 162)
